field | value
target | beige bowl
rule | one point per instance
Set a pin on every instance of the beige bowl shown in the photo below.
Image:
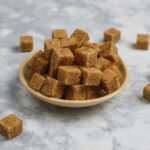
(72, 103)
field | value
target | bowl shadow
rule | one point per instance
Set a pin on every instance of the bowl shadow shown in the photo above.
(26, 104)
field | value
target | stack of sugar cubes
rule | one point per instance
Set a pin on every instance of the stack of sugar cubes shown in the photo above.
(75, 69)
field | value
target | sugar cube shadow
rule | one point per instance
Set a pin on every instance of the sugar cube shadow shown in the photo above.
(143, 100)
(133, 46)
(16, 49)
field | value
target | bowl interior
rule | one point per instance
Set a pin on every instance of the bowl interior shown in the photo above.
(72, 103)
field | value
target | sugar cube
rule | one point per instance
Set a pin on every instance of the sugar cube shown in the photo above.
(86, 56)
(102, 63)
(91, 76)
(71, 43)
(146, 92)
(60, 57)
(59, 34)
(37, 81)
(110, 81)
(26, 43)
(112, 34)
(142, 41)
(52, 88)
(49, 45)
(69, 75)
(76, 92)
(11, 126)
(81, 36)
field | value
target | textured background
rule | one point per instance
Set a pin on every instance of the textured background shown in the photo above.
(120, 124)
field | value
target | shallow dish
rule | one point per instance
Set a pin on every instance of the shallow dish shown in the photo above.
(72, 103)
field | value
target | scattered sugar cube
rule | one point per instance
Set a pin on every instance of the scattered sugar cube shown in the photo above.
(11, 126)
(26, 43)
(112, 34)
(146, 92)
(142, 41)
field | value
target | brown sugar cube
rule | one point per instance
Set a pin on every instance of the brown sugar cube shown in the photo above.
(37, 81)
(75, 65)
(116, 70)
(11, 126)
(52, 88)
(99, 46)
(104, 46)
(59, 34)
(29, 72)
(49, 45)
(112, 34)
(60, 57)
(46, 75)
(86, 56)
(102, 92)
(117, 63)
(37, 63)
(52, 72)
(92, 92)
(90, 45)
(81, 36)
(142, 41)
(146, 92)
(39, 53)
(71, 43)
(76, 92)
(69, 75)
(109, 52)
(40, 65)
(102, 63)
(26, 43)
(91, 76)
(110, 81)
(115, 49)
(109, 45)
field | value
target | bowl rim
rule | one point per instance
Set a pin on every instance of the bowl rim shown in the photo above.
(62, 102)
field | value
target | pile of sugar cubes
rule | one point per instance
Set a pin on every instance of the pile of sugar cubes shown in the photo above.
(73, 68)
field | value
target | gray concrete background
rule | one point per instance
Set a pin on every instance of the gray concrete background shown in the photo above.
(120, 124)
